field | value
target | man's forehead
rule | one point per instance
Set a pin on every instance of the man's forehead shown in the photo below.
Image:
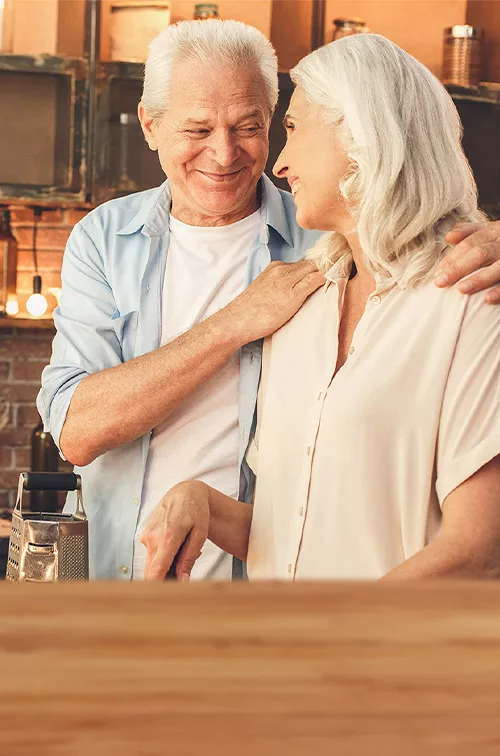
(193, 109)
(200, 86)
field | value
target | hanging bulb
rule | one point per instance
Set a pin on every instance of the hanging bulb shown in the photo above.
(37, 304)
(12, 305)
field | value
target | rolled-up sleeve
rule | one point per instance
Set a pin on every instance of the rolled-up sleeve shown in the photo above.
(85, 340)
(469, 429)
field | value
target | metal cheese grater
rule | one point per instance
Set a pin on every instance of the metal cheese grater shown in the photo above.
(45, 546)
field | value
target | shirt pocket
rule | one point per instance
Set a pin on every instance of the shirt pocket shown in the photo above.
(125, 328)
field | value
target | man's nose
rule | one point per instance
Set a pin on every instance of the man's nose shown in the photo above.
(225, 147)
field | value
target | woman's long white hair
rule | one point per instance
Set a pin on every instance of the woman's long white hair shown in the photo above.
(409, 181)
(228, 43)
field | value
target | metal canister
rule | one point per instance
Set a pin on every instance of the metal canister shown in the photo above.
(345, 27)
(206, 10)
(462, 55)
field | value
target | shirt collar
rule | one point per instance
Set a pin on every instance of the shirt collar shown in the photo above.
(153, 215)
(341, 270)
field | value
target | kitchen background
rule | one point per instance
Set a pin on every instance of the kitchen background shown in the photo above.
(70, 79)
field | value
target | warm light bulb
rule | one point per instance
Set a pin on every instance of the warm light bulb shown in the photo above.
(36, 305)
(12, 305)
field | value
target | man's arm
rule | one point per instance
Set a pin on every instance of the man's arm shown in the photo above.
(477, 252)
(92, 401)
(468, 545)
(187, 515)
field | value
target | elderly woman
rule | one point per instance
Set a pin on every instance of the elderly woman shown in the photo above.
(378, 437)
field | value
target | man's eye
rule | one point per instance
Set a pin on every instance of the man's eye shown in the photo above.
(289, 126)
(197, 131)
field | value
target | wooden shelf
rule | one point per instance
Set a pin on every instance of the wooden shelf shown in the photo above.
(26, 322)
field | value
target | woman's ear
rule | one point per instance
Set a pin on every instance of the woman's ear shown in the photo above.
(147, 127)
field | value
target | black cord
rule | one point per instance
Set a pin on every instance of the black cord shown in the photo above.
(37, 214)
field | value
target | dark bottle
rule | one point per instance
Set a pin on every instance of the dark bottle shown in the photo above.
(8, 267)
(44, 458)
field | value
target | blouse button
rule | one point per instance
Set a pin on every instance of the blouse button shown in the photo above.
(376, 300)
(351, 350)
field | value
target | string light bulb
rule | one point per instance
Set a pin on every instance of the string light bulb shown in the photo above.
(37, 304)
(12, 305)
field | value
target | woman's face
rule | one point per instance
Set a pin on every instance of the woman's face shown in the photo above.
(314, 161)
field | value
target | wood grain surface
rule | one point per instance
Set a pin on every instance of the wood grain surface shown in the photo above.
(252, 670)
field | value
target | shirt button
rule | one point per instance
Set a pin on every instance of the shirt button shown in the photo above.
(289, 569)
(308, 450)
(301, 511)
(320, 395)
(135, 501)
(376, 300)
(124, 569)
(148, 288)
(351, 350)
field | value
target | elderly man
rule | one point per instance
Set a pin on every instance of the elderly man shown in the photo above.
(156, 362)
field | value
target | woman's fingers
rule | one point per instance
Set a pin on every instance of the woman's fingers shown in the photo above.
(190, 553)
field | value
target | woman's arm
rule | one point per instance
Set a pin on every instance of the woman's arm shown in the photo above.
(468, 545)
(187, 515)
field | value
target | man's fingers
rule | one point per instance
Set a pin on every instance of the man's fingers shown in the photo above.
(302, 269)
(310, 282)
(462, 261)
(461, 231)
(190, 553)
(481, 280)
(493, 296)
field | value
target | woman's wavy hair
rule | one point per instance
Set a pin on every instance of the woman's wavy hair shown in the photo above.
(409, 181)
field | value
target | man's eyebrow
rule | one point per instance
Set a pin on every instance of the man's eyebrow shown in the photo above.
(195, 121)
(287, 117)
(257, 113)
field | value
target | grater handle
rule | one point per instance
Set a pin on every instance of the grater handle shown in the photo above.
(39, 481)
(49, 481)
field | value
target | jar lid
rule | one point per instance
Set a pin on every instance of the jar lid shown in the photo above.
(461, 31)
(352, 21)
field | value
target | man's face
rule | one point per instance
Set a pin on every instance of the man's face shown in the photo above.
(212, 141)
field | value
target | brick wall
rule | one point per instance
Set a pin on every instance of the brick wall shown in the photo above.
(25, 352)
(53, 231)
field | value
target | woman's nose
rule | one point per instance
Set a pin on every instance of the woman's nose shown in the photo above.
(280, 168)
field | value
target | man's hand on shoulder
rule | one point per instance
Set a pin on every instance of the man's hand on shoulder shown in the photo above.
(272, 299)
(475, 258)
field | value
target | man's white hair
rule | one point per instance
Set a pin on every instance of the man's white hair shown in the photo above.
(229, 44)
(409, 181)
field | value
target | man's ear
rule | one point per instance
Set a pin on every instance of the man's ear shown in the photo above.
(147, 127)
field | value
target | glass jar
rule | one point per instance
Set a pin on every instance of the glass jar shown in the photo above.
(462, 55)
(345, 27)
(205, 10)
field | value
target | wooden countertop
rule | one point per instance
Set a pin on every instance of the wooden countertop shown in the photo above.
(250, 670)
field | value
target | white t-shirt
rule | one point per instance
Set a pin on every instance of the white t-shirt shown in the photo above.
(205, 270)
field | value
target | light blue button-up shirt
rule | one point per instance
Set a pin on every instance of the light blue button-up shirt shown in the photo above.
(110, 312)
